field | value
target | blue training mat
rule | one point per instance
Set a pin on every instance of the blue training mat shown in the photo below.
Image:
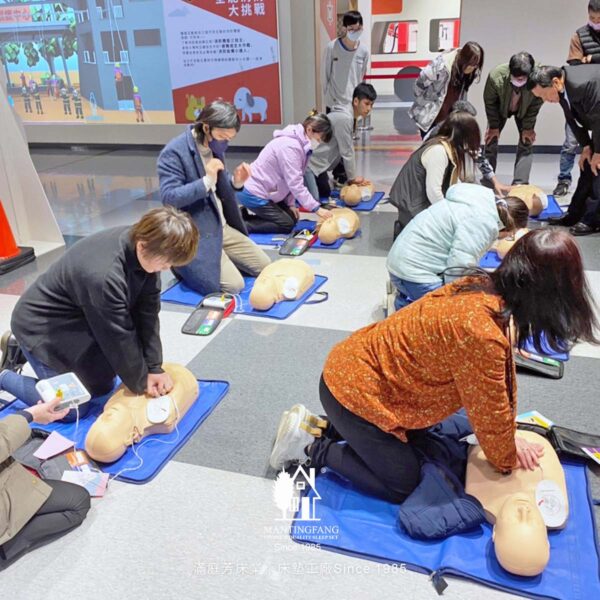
(182, 294)
(351, 522)
(490, 260)
(553, 210)
(155, 454)
(277, 239)
(364, 206)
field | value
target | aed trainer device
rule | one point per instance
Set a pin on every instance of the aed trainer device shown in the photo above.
(544, 365)
(208, 314)
(67, 387)
(298, 243)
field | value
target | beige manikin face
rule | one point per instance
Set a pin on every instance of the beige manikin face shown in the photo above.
(285, 279)
(520, 536)
(531, 195)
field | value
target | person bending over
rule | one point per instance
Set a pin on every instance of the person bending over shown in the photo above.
(277, 179)
(436, 165)
(388, 382)
(341, 147)
(192, 175)
(94, 312)
(455, 232)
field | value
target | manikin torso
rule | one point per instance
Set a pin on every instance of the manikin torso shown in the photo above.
(354, 194)
(520, 535)
(285, 279)
(533, 196)
(344, 223)
(503, 245)
(126, 416)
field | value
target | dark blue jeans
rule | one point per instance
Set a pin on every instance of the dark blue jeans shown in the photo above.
(409, 291)
(23, 387)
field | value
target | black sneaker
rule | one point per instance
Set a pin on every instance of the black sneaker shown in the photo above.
(561, 189)
(13, 358)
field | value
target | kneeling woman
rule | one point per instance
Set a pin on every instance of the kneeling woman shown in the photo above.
(455, 232)
(387, 382)
(277, 179)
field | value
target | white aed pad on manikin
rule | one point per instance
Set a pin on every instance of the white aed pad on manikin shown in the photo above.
(158, 409)
(551, 502)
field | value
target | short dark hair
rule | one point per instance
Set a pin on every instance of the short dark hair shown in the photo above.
(167, 232)
(320, 123)
(543, 76)
(352, 17)
(218, 113)
(521, 64)
(594, 6)
(364, 91)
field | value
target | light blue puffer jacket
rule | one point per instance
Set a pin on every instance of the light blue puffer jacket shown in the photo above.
(455, 232)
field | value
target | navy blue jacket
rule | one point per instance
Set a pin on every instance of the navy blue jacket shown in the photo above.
(180, 173)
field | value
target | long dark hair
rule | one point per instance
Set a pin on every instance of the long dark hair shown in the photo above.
(543, 285)
(462, 132)
(219, 114)
(513, 213)
(470, 55)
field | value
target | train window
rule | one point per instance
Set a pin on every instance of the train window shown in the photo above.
(444, 34)
(394, 37)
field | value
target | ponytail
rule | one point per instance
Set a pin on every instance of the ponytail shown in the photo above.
(319, 123)
(513, 213)
(505, 216)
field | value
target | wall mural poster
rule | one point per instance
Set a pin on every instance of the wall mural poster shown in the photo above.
(224, 48)
(128, 61)
(80, 61)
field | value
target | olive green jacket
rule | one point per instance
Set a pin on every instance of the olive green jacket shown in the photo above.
(496, 97)
(21, 493)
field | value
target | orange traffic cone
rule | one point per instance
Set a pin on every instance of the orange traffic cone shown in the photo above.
(11, 255)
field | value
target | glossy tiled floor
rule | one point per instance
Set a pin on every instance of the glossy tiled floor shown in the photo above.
(213, 503)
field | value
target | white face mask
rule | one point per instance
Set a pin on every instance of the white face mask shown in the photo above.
(314, 144)
(594, 26)
(354, 36)
(290, 288)
(518, 83)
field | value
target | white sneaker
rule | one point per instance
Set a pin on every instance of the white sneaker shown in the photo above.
(297, 429)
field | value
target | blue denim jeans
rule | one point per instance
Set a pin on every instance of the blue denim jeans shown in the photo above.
(310, 181)
(23, 387)
(567, 155)
(409, 291)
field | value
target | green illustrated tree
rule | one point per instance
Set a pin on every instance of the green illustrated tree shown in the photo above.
(9, 53)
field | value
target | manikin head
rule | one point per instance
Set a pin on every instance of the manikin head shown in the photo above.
(535, 199)
(520, 536)
(344, 223)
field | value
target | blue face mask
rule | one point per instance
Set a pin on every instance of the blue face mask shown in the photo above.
(218, 147)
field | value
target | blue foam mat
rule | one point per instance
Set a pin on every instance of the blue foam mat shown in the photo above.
(553, 210)
(361, 525)
(155, 454)
(182, 294)
(490, 260)
(277, 239)
(364, 206)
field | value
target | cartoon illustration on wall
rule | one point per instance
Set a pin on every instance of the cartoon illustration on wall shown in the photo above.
(250, 105)
(194, 106)
(84, 59)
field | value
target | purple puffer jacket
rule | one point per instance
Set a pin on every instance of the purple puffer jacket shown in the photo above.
(278, 172)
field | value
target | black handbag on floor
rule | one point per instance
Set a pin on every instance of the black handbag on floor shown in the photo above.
(566, 442)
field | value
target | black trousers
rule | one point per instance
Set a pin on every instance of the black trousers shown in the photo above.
(585, 202)
(376, 462)
(64, 510)
(273, 217)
